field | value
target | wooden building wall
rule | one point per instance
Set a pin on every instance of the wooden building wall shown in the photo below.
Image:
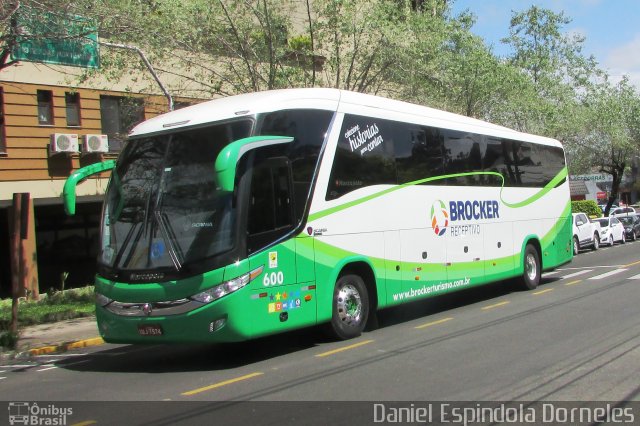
(27, 156)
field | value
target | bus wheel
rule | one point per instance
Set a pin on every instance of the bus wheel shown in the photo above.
(532, 272)
(350, 307)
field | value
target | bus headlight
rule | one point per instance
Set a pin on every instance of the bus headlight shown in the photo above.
(227, 287)
(102, 300)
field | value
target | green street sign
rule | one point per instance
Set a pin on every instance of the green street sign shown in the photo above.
(56, 39)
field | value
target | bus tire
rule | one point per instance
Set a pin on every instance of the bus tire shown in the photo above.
(350, 307)
(532, 268)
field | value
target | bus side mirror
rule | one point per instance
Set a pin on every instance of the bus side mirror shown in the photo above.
(228, 158)
(69, 190)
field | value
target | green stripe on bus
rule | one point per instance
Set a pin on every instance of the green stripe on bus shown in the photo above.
(548, 187)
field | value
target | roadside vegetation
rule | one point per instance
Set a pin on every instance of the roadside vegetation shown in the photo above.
(52, 307)
(589, 207)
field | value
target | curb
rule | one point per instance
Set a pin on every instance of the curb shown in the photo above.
(64, 347)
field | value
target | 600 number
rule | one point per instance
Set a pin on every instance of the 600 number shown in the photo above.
(273, 279)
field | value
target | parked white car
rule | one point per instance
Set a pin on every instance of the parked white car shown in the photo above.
(586, 233)
(622, 211)
(612, 230)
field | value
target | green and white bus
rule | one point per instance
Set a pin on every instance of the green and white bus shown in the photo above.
(259, 213)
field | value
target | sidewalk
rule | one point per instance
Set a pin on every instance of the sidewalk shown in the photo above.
(58, 337)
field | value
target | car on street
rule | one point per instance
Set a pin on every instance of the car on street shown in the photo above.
(612, 230)
(631, 225)
(604, 206)
(586, 233)
(622, 211)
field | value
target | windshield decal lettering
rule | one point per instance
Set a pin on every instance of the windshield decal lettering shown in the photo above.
(364, 140)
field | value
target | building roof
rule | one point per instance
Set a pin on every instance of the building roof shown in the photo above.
(578, 187)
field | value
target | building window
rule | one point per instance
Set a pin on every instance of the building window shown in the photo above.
(3, 146)
(45, 107)
(118, 116)
(72, 102)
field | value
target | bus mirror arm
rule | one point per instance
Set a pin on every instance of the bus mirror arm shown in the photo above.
(230, 155)
(79, 176)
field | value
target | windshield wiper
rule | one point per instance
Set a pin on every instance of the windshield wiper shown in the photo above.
(170, 238)
(125, 244)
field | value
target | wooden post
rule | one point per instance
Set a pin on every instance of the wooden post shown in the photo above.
(29, 250)
(24, 269)
(16, 257)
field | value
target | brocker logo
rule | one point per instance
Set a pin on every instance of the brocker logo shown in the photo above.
(439, 217)
(464, 211)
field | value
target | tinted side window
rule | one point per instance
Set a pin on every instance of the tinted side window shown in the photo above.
(463, 154)
(495, 159)
(552, 159)
(528, 165)
(308, 128)
(419, 154)
(270, 209)
(364, 155)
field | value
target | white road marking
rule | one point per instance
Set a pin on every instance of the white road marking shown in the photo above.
(575, 274)
(635, 277)
(49, 367)
(607, 274)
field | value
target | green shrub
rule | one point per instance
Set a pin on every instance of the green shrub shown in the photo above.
(589, 207)
(8, 339)
(53, 306)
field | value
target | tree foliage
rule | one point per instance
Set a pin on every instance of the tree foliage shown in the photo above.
(414, 50)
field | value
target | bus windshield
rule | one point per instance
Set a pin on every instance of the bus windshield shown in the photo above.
(164, 208)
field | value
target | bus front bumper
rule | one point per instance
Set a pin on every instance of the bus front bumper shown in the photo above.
(219, 321)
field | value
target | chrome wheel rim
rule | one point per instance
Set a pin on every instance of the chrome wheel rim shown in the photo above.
(530, 267)
(349, 304)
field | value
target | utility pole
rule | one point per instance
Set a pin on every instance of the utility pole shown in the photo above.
(147, 64)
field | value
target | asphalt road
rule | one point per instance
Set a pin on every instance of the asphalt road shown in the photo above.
(575, 338)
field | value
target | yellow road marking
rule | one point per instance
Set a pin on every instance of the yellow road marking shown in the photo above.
(220, 384)
(345, 348)
(631, 264)
(542, 292)
(506, 302)
(574, 282)
(429, 324)
(85, 423)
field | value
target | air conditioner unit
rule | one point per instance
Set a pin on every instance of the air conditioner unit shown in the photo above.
(63, 142)
(96, 143)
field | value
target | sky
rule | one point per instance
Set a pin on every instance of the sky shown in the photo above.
(611, 28)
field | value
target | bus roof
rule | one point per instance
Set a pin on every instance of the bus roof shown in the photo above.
(327, 99)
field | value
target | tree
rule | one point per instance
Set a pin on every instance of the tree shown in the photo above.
(362, 42)
(613, 137)
(558, 70)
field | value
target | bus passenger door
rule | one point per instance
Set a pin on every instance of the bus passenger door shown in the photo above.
(278, 300)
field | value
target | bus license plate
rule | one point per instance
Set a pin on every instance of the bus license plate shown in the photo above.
(150, 330)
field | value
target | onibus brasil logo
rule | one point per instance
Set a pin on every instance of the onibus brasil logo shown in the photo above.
(462, 211)
(30, 413)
